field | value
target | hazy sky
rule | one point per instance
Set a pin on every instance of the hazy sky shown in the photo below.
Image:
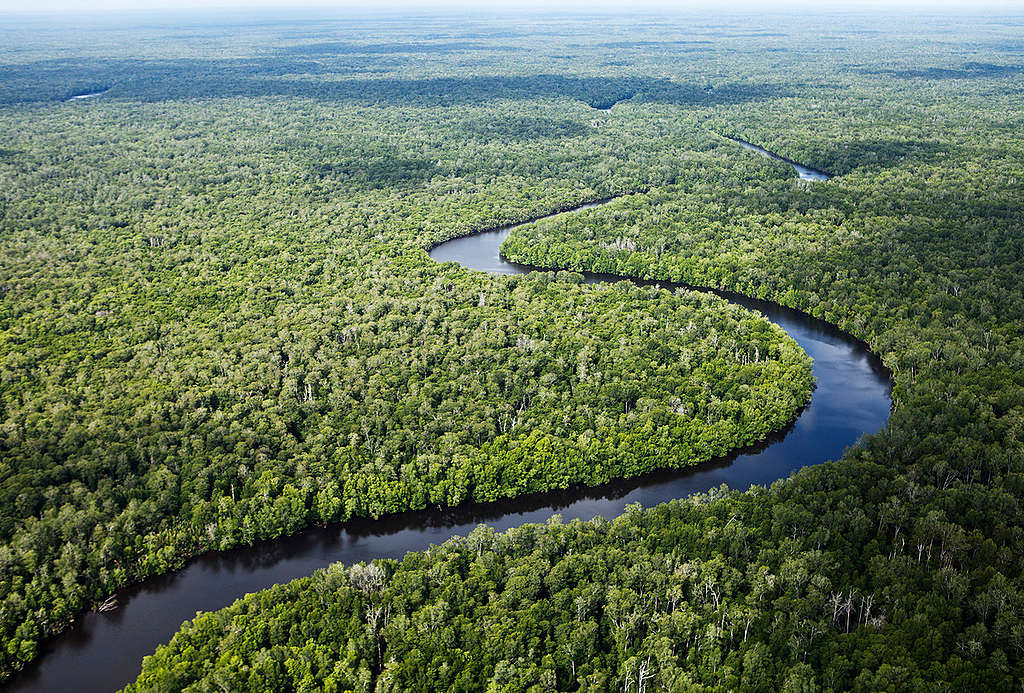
(35, 6)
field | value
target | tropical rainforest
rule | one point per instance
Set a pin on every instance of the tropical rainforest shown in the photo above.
(219, 325)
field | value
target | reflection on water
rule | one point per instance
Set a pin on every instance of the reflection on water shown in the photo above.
(804, 172)
(82, 97)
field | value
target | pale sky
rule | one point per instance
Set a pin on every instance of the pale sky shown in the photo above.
(90, 6)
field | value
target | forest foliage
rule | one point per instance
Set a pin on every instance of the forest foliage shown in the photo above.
(219, 325)
(240, 241)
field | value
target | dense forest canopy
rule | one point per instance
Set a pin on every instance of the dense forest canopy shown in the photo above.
(219, 324)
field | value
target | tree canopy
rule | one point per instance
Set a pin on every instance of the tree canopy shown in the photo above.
(218, 324)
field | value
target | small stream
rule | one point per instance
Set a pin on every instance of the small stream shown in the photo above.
(805, 172)
(91, 95)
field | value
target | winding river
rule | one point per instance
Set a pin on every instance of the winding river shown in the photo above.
(103, 651)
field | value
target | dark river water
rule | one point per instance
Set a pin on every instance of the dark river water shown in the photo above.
(104, 651)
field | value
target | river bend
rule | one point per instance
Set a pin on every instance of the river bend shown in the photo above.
(104, 651)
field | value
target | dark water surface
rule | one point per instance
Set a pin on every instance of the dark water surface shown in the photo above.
(103, 652)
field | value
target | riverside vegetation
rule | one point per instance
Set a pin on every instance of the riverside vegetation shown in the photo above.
(250, 299)
(219, 326)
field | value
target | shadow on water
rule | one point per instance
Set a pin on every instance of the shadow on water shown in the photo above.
(103, 651)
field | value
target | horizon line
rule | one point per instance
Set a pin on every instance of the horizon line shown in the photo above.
(63, 8)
